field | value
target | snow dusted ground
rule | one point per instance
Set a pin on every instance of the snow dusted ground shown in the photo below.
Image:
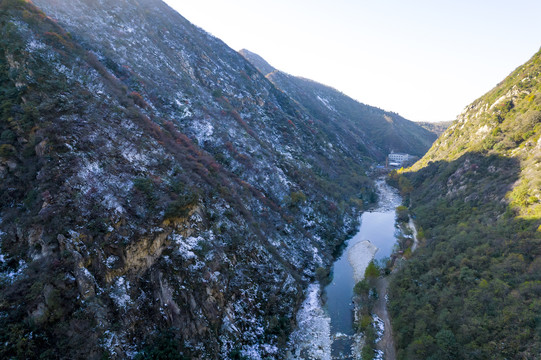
(359, 256)
(411, 225)
(312, 339)
(379, 325)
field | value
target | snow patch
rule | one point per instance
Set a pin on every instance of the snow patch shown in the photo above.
(111, 342)
(119, 293)
(186, 245)
(251, 352)
(35, 45)
(379, 325)
(270, 349)
(13, 275)
(111, 203)
(133, 156)
(316, 257)
(2, 259)
(312, 338)
(111, 260)
(326, 103)
(203, 130)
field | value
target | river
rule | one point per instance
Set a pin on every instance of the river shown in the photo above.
(329, 327)
(378, 227)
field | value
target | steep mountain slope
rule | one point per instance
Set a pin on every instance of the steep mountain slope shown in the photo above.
(158, 193)
(473, 291)
(355, 125)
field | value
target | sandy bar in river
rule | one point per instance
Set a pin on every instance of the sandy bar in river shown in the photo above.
(359, 256)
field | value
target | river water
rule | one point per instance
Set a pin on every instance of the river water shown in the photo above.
(378, 227)
(325, 321)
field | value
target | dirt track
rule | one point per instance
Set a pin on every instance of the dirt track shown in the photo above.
(386, 343)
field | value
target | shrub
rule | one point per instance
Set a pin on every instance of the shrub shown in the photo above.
(12, 3)
(8, 136)
(322, 274)
(181, 206)
(165, 346)
(372, 271)
(145, 186)
(138, 99)
(296, 198)
(365, 322)
(7, 151)
(361, 288)
(402, 214)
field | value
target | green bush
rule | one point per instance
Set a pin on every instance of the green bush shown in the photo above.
(372, 271)
(296, 198)
(361, 288)
(8, 136)
(7, 151)
(147, 188)
(365, 322)
(402, 214)
(475, 258)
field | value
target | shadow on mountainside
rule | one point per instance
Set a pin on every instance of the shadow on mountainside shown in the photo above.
(472, 291)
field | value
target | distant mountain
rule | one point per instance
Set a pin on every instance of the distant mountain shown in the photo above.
(437, 128)
(473, 290)
(352, 124)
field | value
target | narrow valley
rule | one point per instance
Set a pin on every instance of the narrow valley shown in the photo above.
(165, 196)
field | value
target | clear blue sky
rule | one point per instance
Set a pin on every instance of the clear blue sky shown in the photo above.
(425, 59)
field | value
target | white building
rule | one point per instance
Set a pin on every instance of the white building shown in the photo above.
(397, 159)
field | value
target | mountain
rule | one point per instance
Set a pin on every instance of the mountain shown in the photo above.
(260, 64)
(473, 290)
(351, 123)
(160, 197)
(437, 128)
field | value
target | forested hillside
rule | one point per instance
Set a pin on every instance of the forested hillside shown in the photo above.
(473, 290)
